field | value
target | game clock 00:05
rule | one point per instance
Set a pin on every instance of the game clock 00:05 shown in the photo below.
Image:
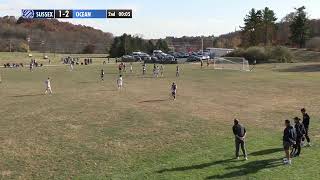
(119, 13)
(63, 13)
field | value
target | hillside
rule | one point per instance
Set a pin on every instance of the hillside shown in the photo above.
(51, 35)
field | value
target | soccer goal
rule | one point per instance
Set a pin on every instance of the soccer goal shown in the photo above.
(232, 63)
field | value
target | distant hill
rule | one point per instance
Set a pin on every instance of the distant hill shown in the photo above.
(51, 35)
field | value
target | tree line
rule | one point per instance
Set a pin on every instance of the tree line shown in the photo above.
(261, 27)
(126, 44)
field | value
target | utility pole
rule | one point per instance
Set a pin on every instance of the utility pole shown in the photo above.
(28, 40)
(10, 45)
(42, 44)
(202, 44)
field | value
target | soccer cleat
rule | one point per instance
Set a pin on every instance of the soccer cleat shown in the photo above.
(285, 159)
(246, 158)
(237, 158)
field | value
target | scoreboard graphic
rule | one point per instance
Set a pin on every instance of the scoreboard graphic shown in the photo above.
(75, 13)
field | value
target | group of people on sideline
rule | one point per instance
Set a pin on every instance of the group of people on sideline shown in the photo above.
(295, 136)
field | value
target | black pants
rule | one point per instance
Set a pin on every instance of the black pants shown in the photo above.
(297, 147)
(307, 136)
(241, 143)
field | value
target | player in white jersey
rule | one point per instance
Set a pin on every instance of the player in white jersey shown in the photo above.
(120, 82)
(48, 86)
(161, 70)
(131, 69)
(71, 66)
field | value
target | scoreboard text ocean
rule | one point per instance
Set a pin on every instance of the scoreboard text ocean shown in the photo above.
(75, 13)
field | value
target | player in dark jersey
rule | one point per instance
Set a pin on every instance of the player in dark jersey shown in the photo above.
(177, 71)
(174, 90)
(102, 75)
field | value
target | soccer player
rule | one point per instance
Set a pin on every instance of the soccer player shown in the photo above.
(300, 132)
(144, 69)
(124, 67)
(161, 70)
(48, 86)
(174, 90)
(102, 75)
(71, 66)
(31, 67)
(157, 71)
(177, 71)
(120, 82)
(289, 138)
(306, 122)
(240, 133)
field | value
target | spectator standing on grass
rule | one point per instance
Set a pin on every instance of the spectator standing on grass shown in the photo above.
(306, 122)
(208, 62)
(240, 133)
(201, 62)
(300, 133)
(289, 140)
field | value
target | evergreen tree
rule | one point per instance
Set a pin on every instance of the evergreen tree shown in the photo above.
(269, 20)
(299, 27)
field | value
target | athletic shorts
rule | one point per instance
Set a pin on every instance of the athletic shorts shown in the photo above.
(286, 145)
(173, 93)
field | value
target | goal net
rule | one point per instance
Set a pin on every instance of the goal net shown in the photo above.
(232, 63)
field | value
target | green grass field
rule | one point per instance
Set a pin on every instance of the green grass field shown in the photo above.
(89, 130)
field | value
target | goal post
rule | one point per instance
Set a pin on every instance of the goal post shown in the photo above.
(231, 63)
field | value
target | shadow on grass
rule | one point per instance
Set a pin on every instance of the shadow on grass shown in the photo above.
(303, 68)
(266, 151)
(27, 95)
(248, 168)
(155, 100)
(108, 90)
(197, 166)
(86, 82)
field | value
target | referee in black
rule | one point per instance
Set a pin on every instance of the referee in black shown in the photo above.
(239, 132)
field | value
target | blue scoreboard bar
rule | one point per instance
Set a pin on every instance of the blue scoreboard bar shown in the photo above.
(76, 13)
(85, 13)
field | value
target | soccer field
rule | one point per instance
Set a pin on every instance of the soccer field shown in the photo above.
(89, 130)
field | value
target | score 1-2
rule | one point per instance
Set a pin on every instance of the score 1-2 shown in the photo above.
(63, 14)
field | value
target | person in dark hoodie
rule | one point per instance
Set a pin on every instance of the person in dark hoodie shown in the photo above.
(300, 133)
(306, 122)
(289, 138)
(240, 133)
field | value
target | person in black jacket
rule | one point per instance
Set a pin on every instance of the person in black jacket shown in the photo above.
(300, 133)
(289, 138)
(239, 132)
(306, 122)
